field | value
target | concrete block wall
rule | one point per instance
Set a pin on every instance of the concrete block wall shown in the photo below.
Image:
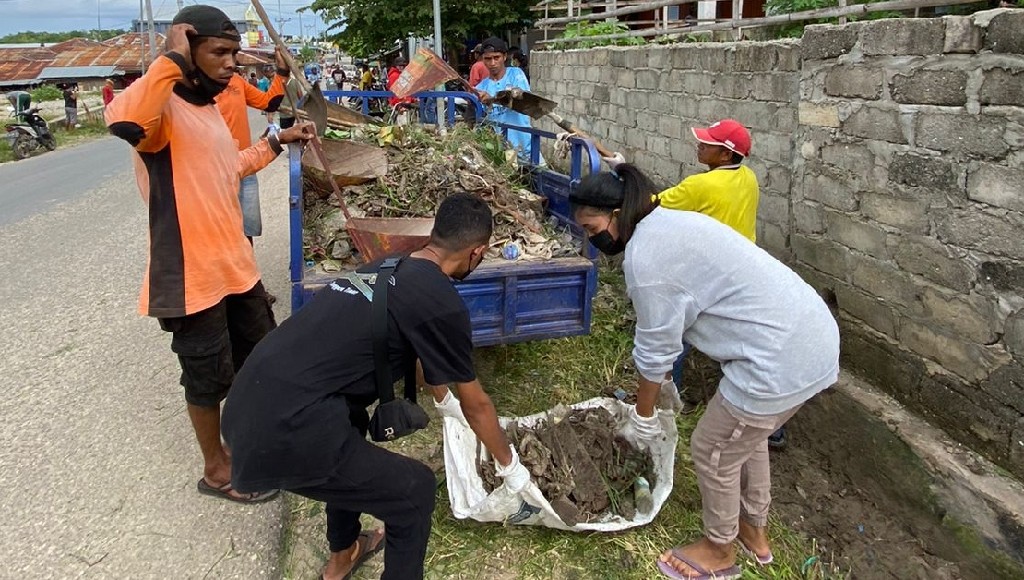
(642, 101)
(908, 203)
(891, 160)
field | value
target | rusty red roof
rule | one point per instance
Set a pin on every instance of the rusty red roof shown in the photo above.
(123, 52)
(20, 69)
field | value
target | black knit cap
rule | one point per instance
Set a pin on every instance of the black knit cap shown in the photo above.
(208, 21)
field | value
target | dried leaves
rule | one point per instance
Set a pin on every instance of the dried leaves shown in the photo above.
(423, 169)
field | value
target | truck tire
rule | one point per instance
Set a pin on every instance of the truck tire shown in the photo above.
(23, 146)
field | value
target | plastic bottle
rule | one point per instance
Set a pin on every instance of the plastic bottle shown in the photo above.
(643, 499)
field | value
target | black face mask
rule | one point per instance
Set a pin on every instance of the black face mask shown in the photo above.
(469, 270)
(608, 245)
(204, 85)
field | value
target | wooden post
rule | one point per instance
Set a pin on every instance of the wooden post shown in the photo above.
(842, 4)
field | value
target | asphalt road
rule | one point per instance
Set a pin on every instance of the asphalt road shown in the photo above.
(98, 463)
(39, 183)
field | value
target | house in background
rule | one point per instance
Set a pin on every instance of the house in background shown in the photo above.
(86, 62)
(243, 16)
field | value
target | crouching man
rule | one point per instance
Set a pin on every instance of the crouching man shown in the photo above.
(296, 417)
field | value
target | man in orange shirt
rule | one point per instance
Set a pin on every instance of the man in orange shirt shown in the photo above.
(233, 102)
(201, 281)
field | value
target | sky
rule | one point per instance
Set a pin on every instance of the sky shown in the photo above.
(61, 15)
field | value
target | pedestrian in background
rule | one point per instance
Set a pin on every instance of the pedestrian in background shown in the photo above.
(264, 83)
(478, 71)
(108, 92)
(70, 106)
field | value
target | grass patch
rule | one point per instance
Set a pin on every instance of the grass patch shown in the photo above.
(90, 129)
(527, 378)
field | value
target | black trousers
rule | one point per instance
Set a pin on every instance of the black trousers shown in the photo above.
(393, 488)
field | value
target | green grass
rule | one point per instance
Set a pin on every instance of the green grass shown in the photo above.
(88, 131)
(524, 379)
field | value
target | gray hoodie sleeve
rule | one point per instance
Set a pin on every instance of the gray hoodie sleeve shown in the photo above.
(663, 312)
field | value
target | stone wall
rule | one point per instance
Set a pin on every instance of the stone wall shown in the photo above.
(642, 101)
(891, 159)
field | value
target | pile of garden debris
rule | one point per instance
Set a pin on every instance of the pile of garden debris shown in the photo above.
(421, 169)
(579, 463)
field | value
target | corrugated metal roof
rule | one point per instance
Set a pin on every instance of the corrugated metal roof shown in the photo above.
(77, 72)
(122, 52)
(20, 70)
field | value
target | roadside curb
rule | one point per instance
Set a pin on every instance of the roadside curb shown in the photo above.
(976, 502)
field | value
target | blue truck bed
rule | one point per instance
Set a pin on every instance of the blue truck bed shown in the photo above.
(508, 301)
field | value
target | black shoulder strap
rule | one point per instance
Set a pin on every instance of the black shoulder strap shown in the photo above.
(382, 366)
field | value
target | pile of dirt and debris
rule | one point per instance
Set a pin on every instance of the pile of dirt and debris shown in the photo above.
(579, 463)
(422, 168)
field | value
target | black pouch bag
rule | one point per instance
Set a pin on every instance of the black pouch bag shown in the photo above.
(393, 418)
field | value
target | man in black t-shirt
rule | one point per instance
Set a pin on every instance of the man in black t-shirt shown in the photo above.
(296, 416)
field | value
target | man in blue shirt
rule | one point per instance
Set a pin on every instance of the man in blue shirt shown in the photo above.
(502, 78)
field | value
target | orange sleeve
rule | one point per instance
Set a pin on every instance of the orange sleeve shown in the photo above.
(255, 158)
(268, 101)
(136, 115)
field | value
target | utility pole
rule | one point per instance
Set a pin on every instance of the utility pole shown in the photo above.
(439, 49)
(152, 30)
(181, 4)
(142, 39)
(99, 26)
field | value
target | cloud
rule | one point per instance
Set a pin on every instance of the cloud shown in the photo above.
(61, 15)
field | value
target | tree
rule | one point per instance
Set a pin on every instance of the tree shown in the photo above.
(362, 27)
(34, 37)
(307, 54)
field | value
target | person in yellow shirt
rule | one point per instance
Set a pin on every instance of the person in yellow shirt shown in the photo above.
(365, 78)
(728, 190)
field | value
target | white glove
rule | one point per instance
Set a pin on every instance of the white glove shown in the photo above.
(668, 396)
(563, 136)
(645, 429)
(615, 160)
(516, 475)
(450, 407)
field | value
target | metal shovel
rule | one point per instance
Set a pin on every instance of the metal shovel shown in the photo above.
(317, 108)
(537, 107)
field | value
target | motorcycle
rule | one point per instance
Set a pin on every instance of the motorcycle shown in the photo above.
(29, 134)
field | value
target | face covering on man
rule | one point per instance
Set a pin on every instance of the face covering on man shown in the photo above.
(211, 22)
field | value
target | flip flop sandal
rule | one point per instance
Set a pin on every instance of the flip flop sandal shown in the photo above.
(364, 554)
(761, 560)
(224, 492)
(730, 573)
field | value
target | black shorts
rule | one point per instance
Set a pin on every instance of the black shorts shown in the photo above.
(212, 344)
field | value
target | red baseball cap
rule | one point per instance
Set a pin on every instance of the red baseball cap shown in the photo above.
(728, 133)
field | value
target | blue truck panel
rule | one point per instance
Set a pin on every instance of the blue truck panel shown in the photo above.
(508, 301)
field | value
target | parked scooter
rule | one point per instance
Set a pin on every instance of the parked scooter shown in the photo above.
(29, 134)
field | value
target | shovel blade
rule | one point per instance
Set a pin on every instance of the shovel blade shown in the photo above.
(315, 106)
(527, 103)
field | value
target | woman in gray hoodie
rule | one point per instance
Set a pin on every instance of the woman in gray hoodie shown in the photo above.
(693, 279)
